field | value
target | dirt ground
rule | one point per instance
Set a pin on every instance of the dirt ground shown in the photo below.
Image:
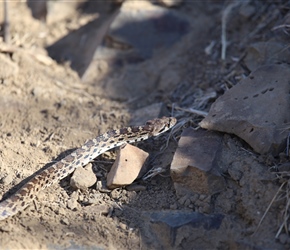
(46, 111)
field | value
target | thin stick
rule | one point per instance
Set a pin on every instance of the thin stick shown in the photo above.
(287, 147)
(268, 208)
(193, 111)
(283, 224)
(286, 209)
(280, 228)
(287, 26)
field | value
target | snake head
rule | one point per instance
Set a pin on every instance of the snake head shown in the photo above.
(159, 125)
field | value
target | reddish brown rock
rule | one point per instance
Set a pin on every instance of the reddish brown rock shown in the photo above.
(127, 166)
(194, 168)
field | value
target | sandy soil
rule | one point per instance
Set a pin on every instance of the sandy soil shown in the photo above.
(46, 111)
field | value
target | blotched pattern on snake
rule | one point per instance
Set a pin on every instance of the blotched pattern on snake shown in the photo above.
(79, 158)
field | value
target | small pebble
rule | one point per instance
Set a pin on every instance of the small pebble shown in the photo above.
(173, 206)
(95, 199)
(83, 178)
(123, 226)
(194, 198)
(115, 194)
(283, 238)
(72, 204)
(61, 210)
(202, 197)
(182, 199)
(102, 187)
(64, 221)
(187, 202)
(7, 179)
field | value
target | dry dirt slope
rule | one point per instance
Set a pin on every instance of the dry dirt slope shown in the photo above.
(46, 111)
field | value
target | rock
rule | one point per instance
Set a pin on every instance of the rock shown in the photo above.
(127, 166)
(83, 178)
(151, 19)
(94, 200)
(178, 229)
(38, 9)
(256, 109)
(115, 194)
(102, 187)
(194, 168)
(38, 91)
(8, 178)
(72, 202)
(283, 238)
(262, 53)
(65, 221)
(171, 3)
(235, 171)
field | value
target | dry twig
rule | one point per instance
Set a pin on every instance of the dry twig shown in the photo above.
(268, 208)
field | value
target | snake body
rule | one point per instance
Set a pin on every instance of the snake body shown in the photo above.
(79, 158)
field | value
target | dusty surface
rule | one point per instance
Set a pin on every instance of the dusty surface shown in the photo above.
(46, 111)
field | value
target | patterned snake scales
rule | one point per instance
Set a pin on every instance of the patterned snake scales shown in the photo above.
(79, 158)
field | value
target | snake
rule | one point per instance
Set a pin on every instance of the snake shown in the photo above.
(79, 158)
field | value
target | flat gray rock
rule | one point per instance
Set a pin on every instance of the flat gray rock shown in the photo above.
(178, 229)
(256, 109)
